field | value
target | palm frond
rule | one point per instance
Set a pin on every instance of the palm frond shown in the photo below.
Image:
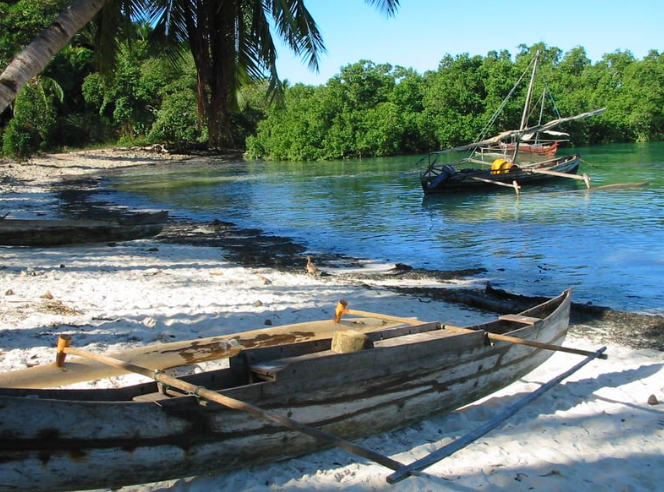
(297, 28)
(114, 23)
(388, 7)
(169, 34)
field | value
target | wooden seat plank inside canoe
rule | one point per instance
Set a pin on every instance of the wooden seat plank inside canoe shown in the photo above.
(268, 370)
(519, 318)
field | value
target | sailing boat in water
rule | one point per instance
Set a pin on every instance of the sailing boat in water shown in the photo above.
(502, 157)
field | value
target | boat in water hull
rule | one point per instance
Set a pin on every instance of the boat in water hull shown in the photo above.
(526, 148)
(507, 159)
(60, 439)
(442, 179)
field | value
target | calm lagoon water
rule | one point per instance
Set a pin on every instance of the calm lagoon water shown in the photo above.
(607, 245)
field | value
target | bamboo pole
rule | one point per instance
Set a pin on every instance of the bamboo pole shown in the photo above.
(480, 161)
(202, 392)
(342, 308)
(584, 177)
(621, 186)
(514, 184)
(523, 341)
(475, 434)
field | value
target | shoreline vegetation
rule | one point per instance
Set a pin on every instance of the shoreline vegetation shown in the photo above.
(202, 279)
(368, 109)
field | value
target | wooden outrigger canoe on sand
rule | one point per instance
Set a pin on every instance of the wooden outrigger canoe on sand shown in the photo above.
(52, 232)
(281, 396)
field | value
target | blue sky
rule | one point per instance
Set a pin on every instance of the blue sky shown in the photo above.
(424, 31)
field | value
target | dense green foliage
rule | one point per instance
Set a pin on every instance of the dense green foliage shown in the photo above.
(377, 110)
(368, 109)
(21, 21)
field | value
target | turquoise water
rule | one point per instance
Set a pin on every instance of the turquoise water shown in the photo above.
(607, 245)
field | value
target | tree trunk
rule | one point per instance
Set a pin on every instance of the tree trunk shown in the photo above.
(34, 58)
(205, 38)
(199, 46)
(219, 118)
(221, 55)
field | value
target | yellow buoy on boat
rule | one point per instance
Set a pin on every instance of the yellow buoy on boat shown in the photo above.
(501, 166)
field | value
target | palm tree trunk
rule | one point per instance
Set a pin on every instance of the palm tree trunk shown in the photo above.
(222, 58)
(34, 58)
(219, 118)
(206, 39)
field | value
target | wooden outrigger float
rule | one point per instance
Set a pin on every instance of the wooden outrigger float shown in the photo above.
(273, 402)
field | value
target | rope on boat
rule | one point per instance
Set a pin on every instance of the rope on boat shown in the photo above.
(588, 163)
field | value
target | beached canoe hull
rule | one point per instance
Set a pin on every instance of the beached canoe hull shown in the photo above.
(464, 181)
(77, 439)
(44, 233)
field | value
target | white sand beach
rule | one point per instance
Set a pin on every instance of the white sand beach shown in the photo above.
(602, 429)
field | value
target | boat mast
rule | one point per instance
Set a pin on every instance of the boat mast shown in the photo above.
(524, 117)
(539, 121)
